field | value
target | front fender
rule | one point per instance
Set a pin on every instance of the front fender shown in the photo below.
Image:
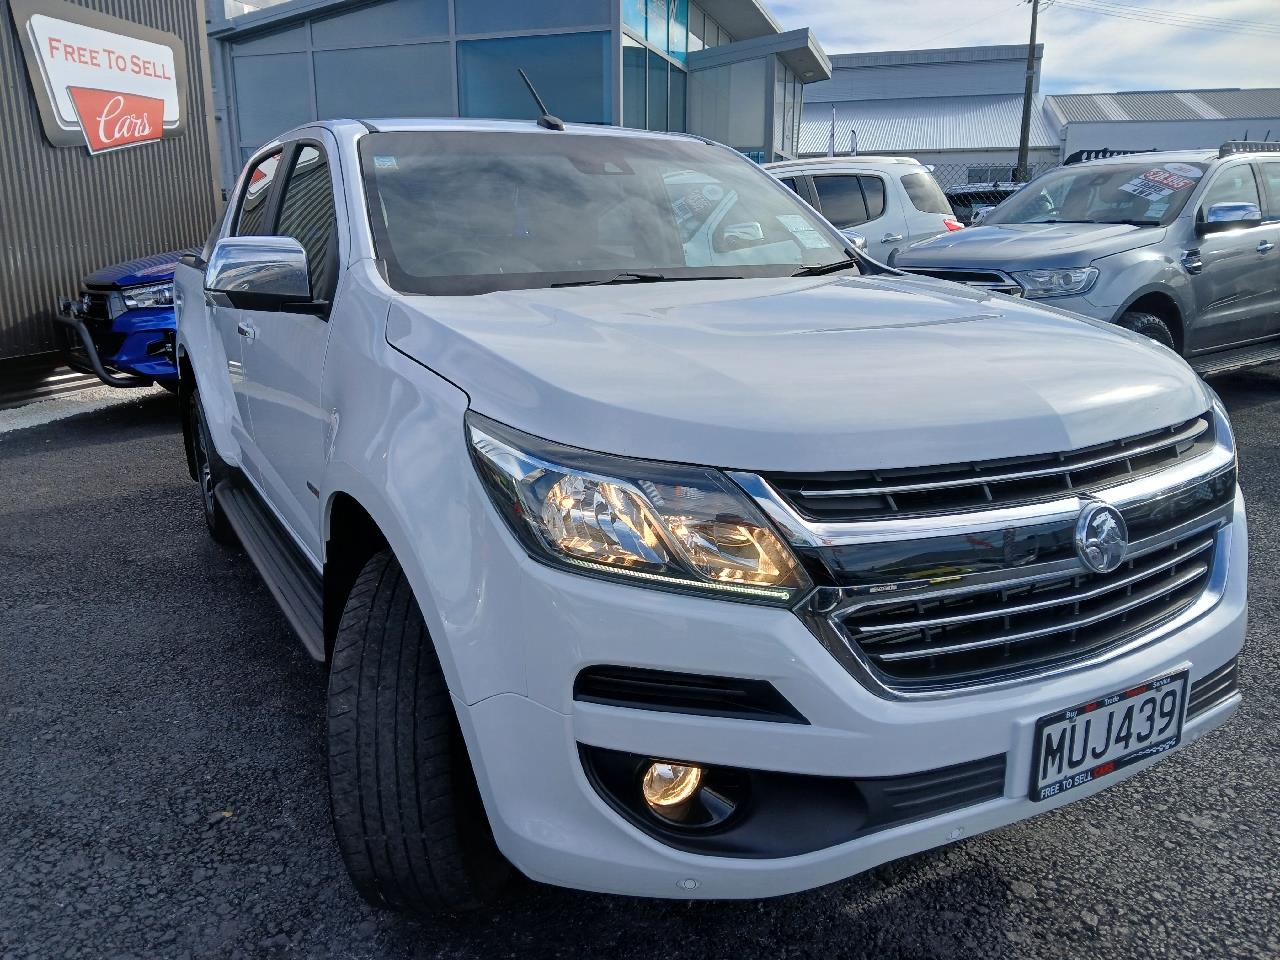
(200, 348)
(397, 446)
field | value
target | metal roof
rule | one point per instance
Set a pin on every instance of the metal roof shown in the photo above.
(893, 58)
(1227, 104)
(923, 124)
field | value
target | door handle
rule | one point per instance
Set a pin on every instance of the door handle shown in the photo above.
(246, 329)
(891, 238)
(1266, 246)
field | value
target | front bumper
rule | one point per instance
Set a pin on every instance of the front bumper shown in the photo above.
(138, 351)
(551, 822)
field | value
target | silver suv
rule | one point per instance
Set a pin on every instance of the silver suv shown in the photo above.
(1180, 246)
(891, 201)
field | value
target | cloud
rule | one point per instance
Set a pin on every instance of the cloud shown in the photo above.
(1082, 51)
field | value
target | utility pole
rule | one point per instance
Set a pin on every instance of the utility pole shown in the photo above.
(1023, 173)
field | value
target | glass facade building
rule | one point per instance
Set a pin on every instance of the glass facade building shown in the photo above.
(718, 68)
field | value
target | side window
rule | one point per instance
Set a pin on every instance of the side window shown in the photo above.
(252, 219)
(1233, 185)
(1271, 180)
(926, 196)
(790, 184)
(873, 190)
(307, 214)
(841, 200)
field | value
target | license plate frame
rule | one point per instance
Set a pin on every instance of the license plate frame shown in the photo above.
(1113, 705)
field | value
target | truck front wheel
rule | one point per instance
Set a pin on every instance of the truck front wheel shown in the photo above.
(1149, 325)
(210, 470)
(406, 808)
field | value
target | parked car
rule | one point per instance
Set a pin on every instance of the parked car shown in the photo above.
(892, 201)
(687, 566)
(1179, 246)
(972, 201)
(122, 323)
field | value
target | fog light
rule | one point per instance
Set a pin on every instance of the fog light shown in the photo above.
(669, 786)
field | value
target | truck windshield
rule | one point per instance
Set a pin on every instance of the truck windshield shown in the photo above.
(1145, 194)
(461, 212)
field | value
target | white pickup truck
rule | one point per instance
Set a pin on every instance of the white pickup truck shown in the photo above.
(683, 562)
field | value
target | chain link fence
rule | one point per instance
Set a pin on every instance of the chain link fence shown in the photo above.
(969, 188)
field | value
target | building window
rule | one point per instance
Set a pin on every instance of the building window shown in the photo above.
(634, 65)
(351, 83)
(697, 28)
(657, 92)
(679, 93)
(634, 15)
(678, 30)
(568, 70)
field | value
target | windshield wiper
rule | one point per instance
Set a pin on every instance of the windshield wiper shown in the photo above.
(825, 268)
(1130, 223)
(627, 277)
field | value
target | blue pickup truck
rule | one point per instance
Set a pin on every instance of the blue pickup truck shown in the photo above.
(122, 323)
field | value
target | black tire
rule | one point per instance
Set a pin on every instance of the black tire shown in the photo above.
(210, 470)
(1149, 325)
(406, 809)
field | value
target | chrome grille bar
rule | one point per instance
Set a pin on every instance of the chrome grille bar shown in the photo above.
(1189, 433)
(1118, 608)
(1054, 601)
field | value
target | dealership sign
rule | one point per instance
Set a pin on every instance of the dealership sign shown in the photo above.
(100, 81)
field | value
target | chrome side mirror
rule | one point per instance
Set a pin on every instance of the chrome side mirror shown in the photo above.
(260, 273)
(858, 241)
(1230, 216)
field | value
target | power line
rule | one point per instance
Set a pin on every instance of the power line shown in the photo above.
(1158, 17)
(968, 24)
(1139, 8)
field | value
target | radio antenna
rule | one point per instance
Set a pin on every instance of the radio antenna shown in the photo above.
(546, 120)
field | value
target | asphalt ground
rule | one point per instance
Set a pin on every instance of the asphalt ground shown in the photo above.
(162, 775)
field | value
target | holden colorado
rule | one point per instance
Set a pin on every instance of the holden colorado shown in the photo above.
(659, 543)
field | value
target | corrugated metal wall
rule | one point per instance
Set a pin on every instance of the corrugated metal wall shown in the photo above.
(64, 213)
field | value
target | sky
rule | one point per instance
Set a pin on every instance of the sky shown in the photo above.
(1083, 51)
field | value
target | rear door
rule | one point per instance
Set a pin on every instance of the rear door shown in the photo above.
(927, 206)
(285, 352)
(844, 201)
(1234, 290)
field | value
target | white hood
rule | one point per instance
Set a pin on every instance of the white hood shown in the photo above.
(796, 374)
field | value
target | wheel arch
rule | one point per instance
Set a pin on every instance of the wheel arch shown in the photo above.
(186, 387)
(1159, 301)
(351, 538)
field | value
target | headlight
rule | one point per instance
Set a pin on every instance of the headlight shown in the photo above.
(1056, 283)
(155, 295)
(662, 525)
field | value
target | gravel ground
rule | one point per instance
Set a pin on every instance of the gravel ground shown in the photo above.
(163, 787)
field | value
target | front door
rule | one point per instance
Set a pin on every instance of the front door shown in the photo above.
(1269, 243)
(285, 351)
(1231, 289)
(252, 219)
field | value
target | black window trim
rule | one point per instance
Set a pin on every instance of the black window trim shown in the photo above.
(854, 175)
(273, 191)
(884, 194)
(292, 149)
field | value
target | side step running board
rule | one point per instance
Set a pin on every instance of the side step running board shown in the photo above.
(289, 576)
(1235, 359)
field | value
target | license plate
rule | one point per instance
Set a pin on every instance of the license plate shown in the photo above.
(1095, 739)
